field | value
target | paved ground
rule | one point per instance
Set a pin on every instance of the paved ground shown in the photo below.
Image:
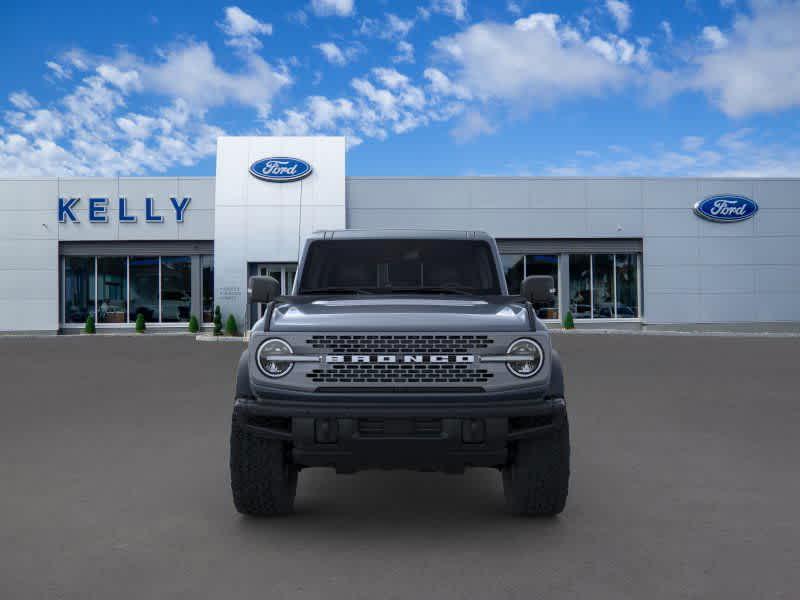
(114, 484)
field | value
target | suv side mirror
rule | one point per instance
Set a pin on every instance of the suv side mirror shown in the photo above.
(261, 289)
(538, 289)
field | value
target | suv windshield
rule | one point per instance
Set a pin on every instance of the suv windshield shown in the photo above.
(399, 266)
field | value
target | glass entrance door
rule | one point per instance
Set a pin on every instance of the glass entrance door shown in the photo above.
(284, 273)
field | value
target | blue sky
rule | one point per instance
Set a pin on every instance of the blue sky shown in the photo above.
(435, 87)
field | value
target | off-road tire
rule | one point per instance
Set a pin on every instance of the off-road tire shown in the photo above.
(536, 480)
(263, 479)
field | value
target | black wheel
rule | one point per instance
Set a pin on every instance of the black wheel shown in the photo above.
(263, 479)
(536, 480)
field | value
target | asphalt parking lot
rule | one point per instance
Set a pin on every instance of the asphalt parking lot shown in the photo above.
(686, 484)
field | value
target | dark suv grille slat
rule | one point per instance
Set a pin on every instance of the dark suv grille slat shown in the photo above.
(393, 373)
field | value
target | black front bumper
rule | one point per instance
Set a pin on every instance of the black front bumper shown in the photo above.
(431, 435)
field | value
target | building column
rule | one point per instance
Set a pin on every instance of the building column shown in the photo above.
(563, 285)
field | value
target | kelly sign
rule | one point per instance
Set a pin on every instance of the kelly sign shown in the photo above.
(98, 210)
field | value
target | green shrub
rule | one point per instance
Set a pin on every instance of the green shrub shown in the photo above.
(89, 327)
(140, 324)
(194, 327)
(569, 322)
(231, 328)
(217, 321)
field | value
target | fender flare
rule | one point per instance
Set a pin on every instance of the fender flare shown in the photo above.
(243, 376)
(556, 389)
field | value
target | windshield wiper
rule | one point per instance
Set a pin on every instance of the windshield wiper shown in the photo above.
(336, 288)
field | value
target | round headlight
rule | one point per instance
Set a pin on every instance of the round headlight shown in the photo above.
(531, 364)
(266, 361)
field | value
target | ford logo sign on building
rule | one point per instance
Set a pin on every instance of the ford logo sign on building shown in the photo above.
(280, 169)
(726, 209)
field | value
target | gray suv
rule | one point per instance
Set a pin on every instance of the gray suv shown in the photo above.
(399, 349)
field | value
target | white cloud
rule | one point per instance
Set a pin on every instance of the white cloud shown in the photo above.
(405, 53)
(715, 37)
(666, 27)
(336, 55)
(57, 70)
(243, 29)
(441, 84)
(536, 60)
(758, 70)
(339, 8)
(91, 131)
(398, 27)
(22, 100)
(621, 11)
(514, 8)
(692, 143)
(453, 8)
(473, 124)
(727, 3)
(735, 154)
(385, 101)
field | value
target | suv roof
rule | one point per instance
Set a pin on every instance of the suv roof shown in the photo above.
(428, 234)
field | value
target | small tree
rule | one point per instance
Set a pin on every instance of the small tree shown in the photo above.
(569, 322)
(89, 327)
(231, 328)
(217, 321)
(194, 327)
(140, 324)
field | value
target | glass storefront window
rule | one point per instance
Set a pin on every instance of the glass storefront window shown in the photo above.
(144, 288)
(78, 288)
(112, 289)
(176, 289)
(207, 269)
(514, 268)
(544, 264)
(627, 286)
(580, 286)
(603, 286)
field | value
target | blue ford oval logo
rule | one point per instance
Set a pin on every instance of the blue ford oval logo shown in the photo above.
(280, 169)
(725, 208)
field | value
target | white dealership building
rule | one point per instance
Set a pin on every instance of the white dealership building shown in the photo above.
(624, 252)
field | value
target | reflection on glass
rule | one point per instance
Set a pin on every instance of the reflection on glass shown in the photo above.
(207, 267)
(144, 288)
(78, 288)
(514, 267)
(603, 285)
(544, 264)
(176, 289)
(289, 283)
(112, 280)
(627, 287)
(580, 301)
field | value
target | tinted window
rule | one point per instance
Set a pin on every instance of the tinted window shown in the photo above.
(383, 266)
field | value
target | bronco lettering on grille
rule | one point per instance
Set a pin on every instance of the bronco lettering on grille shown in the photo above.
(404, 358)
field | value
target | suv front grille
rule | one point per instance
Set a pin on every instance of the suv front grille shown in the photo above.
(394, 373)
(399, 373)
(405, 344)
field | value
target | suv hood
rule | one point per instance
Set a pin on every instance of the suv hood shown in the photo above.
(407, 313)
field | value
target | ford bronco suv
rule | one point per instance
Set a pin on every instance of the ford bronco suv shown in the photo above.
(399, 349)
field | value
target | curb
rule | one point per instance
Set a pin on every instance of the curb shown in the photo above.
(220, 338)
(669, 333)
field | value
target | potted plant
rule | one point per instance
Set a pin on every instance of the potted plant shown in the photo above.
(217, 321)
(231, 328)
(89, 326)
(194, 327)
(140, 324)
(569, 321)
